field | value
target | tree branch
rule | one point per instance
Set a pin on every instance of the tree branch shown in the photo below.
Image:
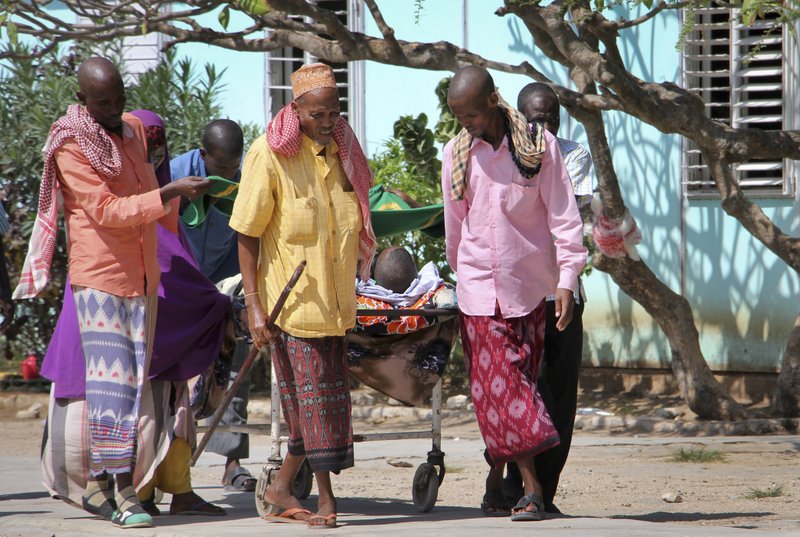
(386, 30)
(324, 16)
(661, 6)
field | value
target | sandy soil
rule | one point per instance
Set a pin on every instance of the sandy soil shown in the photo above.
(608, 474)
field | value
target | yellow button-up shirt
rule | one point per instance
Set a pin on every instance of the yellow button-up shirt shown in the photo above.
(302, 207)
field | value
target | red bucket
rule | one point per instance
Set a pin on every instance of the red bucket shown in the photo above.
(30, 368)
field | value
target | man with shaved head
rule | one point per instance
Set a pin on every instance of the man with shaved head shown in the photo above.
(395, 269)
(213, 243)
(305, 196)
(513, 236)
(96, 159)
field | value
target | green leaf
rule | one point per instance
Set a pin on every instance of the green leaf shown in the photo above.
(225, 17)
(599, 5)
(11, 28)
(647, 3)
(255, 7)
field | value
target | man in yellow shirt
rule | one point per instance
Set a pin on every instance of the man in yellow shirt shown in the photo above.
(304, 195)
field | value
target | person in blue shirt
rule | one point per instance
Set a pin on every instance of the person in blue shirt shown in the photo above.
(213, 242)
(215, 247)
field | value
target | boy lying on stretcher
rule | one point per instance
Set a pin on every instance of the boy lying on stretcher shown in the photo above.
(396, 284)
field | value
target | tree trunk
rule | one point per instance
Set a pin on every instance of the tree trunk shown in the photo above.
(787, 392)
(701, 391)
(704, 395)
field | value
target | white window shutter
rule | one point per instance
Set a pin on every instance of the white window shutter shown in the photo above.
(745, 78)
(349, 76)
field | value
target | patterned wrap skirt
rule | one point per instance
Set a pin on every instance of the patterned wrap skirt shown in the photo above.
(502, 358)
(314, 385)
(116, 335)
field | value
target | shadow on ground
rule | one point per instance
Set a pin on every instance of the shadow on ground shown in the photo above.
(661, 516)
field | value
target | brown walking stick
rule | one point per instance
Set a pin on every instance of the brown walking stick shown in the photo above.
(245, 369)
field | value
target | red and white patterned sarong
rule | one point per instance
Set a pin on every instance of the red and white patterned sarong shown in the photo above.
(502, 358)
(314, 385)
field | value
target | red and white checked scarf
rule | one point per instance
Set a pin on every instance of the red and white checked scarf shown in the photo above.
(106, 160)
(283, 135)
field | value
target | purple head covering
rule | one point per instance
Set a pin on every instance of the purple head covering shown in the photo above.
(156, 137)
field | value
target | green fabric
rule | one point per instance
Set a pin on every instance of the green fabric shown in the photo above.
(221, 194)
(393, 216)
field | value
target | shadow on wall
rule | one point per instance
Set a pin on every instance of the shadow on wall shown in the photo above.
(522, 43)
(747, 388)
(744, 297)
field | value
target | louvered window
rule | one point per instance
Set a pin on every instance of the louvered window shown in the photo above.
(747, 76)
(142, 53)
(349, 76)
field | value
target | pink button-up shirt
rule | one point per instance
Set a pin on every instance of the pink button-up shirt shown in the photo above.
(511, 240)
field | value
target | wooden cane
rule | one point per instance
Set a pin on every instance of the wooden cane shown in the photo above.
(245, 369)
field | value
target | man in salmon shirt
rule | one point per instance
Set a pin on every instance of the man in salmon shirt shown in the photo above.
(96, 158)
(513, 236)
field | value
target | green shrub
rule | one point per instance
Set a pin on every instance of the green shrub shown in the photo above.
(774, 491)
(701, 454)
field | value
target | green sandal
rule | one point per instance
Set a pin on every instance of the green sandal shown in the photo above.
(135, 517)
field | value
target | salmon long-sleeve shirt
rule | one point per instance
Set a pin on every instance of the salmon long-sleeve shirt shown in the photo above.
(111, 223)
(511, 240)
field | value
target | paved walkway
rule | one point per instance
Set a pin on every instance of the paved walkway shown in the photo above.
(27, 511)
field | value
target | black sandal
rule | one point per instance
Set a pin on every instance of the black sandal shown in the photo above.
(241, 480)
(519, 513)
(494, 504)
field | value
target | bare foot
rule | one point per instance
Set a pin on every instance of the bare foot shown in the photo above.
(283, 500)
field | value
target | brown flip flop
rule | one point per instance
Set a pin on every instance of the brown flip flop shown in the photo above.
(330, 522)
(287, 516)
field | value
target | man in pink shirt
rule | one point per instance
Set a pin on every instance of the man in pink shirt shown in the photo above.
(513, 236)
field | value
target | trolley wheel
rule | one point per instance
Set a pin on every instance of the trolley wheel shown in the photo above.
(158, 495)
(303, 481)
(267, 476)
(426, 487)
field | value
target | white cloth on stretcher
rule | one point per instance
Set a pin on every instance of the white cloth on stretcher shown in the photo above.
(427, 280)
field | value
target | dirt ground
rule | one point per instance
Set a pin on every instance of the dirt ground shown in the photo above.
(609, 474)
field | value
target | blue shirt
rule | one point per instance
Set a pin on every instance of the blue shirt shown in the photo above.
(213, 242)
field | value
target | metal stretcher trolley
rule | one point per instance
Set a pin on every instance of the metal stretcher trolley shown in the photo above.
(407, 367)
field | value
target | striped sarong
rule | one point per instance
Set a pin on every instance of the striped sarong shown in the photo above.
(163, 416)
